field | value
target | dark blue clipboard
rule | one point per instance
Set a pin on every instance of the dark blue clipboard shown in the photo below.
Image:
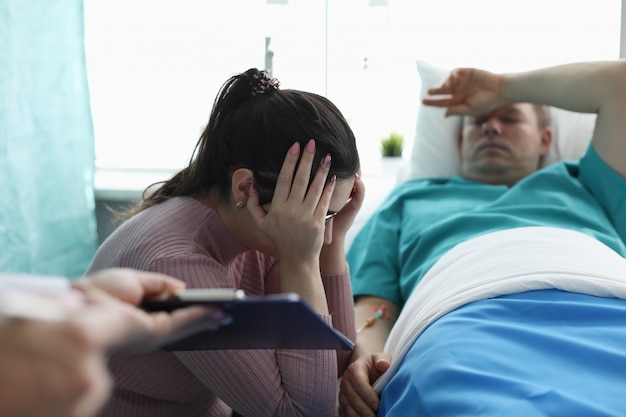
(281, 321)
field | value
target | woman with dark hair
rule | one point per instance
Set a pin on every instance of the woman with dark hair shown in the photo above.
(263, 206)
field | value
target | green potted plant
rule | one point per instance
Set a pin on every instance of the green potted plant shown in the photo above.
(392, 145)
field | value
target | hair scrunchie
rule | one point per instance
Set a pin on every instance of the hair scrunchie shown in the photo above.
(262, 83)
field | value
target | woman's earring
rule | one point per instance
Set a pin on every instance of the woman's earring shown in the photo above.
(240, 204)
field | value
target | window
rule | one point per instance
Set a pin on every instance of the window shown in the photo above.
(155, 66)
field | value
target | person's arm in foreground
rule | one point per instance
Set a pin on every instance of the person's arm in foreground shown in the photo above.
(57, 367)
(588, 87)
(369, 361)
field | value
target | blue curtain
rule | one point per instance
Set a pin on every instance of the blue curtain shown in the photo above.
(47, 215)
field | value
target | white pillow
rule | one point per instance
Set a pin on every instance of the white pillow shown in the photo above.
(435, 152)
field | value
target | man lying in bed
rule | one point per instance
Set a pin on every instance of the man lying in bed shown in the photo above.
(519, 308)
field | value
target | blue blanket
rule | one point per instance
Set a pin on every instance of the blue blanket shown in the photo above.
(538, 353)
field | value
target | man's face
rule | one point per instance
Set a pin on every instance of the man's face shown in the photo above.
(503, 146)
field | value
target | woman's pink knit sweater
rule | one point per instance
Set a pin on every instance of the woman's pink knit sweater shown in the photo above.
(186, 239)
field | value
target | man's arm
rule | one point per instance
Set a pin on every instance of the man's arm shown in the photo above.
(372, 338)
(588, 87)
(369, 362)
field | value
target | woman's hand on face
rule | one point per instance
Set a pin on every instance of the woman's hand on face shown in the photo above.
(295, 219)
(345, 217)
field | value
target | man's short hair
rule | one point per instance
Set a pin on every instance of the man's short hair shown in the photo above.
(543, 115)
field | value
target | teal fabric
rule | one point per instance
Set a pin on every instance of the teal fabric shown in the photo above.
(47, 215)
(423, 219)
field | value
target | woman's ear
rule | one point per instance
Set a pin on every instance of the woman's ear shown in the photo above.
(242, 180)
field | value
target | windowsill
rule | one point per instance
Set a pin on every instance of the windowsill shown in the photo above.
(126, 184)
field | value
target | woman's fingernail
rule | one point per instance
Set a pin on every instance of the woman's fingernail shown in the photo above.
(310, 146)
(326, 161)
(333, 180)
(295, 148)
